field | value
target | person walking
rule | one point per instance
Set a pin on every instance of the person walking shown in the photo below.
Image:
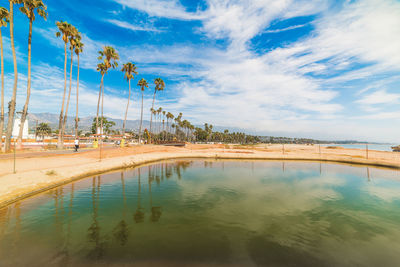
(76, 144)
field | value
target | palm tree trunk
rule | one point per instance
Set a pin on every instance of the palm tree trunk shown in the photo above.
(151, 113)
(102, 116)
(159, 125)
(127, 106)
(163, 131)
(11, 106)
(77, 101)
(69, 94)
(141, 120)
(167, 127)
(98, 103)
(2, 93)
(28, 90)
(60, 142)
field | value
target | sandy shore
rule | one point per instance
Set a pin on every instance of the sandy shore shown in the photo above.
(41, 172)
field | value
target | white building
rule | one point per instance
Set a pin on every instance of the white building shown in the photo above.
(17, 126)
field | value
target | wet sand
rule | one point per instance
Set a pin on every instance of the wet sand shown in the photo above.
(42, 171)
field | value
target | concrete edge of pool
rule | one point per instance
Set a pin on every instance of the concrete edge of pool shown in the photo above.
(40, 181)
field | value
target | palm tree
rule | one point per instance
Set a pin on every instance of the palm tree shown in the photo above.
(12, 103)
(170, 116)
(164, 112)
(159, 110)
(143, 84)
(101, 67)
(78, 49)
(109, 56)
(129, 69)
(43, 129)
(3, 23)
(28, 8)
(154, 112)
(160, 85)
(64, 32)
(73, 39)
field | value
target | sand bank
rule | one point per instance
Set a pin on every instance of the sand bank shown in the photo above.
(43, 172)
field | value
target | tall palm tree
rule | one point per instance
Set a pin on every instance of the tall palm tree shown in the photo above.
(159, 110)
(163, 129)
(170, 116)
(101, 67)
(29, 7)
(154, 112)
(78, 50)
(3, 23)
(64, 32)
(11, 105)
(143, 84)
(159, 86)
(73, 39)
(109, 56)
(129, 69)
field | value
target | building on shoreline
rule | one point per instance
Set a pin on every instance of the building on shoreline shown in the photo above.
(17, 126)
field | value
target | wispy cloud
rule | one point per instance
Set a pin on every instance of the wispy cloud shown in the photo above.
(286, 29)
(129, 26)
(161, 8)
(325, 83)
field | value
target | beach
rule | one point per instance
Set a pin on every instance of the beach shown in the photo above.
(38, 172)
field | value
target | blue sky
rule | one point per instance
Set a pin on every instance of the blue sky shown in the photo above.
(307, 68)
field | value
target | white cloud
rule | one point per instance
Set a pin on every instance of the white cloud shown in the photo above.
(161, 8)
(286, 29)
(241, 20)
(129, 26)
(234, 86)
(379, 97)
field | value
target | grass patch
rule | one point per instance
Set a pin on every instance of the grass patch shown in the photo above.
(51, 173)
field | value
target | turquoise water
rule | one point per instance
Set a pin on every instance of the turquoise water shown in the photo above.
(181, 213)
(379, 147)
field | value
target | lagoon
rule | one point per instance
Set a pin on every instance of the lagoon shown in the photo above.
(205, 212)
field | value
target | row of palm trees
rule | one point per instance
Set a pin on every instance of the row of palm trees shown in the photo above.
(28, 8)
(69, 35)
(108, 60)
(73, 44)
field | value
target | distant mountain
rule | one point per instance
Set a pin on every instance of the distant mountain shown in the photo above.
(85, 123)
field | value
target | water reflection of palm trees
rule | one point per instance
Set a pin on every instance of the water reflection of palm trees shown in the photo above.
(155, 211)
(121, 231)
(59, 214)
(17, 229)
(67, 243)
(139, 214)
(4, 220)
(98, 250)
